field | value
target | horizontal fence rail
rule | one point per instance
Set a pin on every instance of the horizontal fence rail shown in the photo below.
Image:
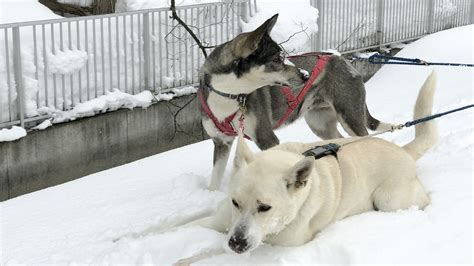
(52, 65)
(355, 25)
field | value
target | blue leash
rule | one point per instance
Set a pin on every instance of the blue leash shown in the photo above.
(379, 59)
(431, 117)
(332, 148)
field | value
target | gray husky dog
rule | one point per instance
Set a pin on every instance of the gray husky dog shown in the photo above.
(246, 74)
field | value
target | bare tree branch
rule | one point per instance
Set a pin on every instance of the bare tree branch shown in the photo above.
(186, 27)
(63, 8)
(294, 34)
(357, 29)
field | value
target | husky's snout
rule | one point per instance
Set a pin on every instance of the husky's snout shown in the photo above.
(299, 77)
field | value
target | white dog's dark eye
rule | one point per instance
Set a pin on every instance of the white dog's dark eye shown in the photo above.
(235, 203)
(264, 208)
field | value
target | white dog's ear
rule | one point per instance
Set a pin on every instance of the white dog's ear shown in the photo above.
(298, 175)
(243, 154)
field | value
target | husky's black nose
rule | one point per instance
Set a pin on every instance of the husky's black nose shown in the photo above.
(238, 243)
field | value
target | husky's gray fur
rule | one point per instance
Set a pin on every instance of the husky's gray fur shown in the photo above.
(252, 63)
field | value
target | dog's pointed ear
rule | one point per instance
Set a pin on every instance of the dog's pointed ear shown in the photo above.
(297, 177)
(265, 28)
(243, 154)
(247, 43)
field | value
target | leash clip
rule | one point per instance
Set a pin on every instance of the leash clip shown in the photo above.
(322, 151)
(242, 99)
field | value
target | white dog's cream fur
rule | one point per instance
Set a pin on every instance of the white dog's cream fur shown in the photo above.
(305, 195)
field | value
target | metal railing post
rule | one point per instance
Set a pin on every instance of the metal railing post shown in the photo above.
(431, 10)
(244, 12)
(380, 21)
(18, 74)
(317, 37)
(471, 12)
(146, 49)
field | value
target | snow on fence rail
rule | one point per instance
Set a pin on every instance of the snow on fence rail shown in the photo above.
(50, 66)
(355, 25)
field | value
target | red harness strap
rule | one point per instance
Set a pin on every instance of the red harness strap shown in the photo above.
(293, 101)
(226, 127)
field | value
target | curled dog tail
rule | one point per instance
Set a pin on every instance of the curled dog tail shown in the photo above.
(426, 134)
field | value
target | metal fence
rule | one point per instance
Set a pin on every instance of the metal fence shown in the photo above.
(53, 65)
(355, 25)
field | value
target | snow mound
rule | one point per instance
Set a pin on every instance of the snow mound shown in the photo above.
(298, 20)
(111, 101)
(12, 134)
(67, 62)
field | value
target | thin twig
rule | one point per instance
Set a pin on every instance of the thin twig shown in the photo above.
(357, 29)
(186, 27)
(294, 34)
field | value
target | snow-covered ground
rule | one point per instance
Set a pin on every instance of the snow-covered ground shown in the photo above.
(77, 222)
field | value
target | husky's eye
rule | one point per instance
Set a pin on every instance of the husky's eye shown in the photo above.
(235, 204)
(264, 208)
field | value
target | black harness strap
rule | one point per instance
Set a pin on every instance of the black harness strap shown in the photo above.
(322, 151)
(240, 98)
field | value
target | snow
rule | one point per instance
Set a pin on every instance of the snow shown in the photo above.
(67, 62)
(43, 125)
(77, 222)
(111, 101)
(129, 5)
(12, 134)
(24, 10)
(77, 2)
(175, 92)
(298, 20)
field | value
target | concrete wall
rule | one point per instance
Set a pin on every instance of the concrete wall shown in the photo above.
(71, 150)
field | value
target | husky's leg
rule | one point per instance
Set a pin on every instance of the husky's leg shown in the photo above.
(354, 122)
(221, 156)
(351, 108)
(265, 137)
(323, 121)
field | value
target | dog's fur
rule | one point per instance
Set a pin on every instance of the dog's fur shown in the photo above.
(253, 60)
(283, 198)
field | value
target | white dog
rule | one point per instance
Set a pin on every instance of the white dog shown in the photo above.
(281, 197)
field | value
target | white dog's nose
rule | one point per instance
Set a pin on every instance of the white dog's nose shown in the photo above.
(238, 243)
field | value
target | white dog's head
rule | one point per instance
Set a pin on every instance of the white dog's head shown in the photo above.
(267, 191)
